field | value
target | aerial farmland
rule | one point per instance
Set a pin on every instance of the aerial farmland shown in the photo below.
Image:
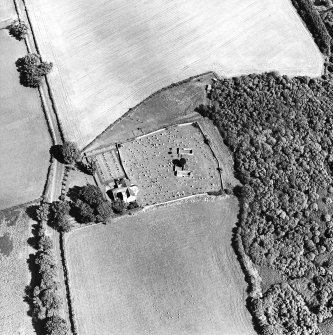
(110, 55)
(168, 271)
(166, 167)
(24, 139)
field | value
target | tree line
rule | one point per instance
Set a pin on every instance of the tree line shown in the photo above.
(44, 295)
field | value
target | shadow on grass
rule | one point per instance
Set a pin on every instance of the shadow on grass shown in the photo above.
(35, 277)
(74, 193)
(31, 211)
(82, 168)
(55, 151)
(33, 240)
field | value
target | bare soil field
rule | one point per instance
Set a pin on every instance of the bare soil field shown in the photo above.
(15, 229)
(171, 270)
(148, 162)
(24, 138)
(109, 55)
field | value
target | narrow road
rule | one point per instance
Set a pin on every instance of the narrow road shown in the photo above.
(48, 104)
(50, 112)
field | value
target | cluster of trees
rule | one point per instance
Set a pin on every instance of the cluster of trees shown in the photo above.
(32, 69)
(46, 301)
(88, 205)
(60, 218)
(18, 29)
(280, 131)
(286, 312)
(69, 153)
(91, 206)
(315, 24)
(89, 166)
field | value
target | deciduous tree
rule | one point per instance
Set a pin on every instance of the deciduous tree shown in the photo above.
(70, 152)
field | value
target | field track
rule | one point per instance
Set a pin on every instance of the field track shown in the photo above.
(110, 55)
(170, 270)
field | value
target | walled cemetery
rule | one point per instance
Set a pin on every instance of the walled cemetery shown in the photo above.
(150, 162)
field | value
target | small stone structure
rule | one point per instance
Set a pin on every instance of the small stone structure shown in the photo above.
(124, 191)
(183, 173)
(184, 151)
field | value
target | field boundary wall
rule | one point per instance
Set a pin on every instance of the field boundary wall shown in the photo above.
(72, 315)
(213, 153)
(111, 146)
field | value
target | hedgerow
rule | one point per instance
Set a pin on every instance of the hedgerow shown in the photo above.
(280, 131)
(45, 297)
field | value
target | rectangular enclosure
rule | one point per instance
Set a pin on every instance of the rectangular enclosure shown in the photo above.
(151, 163)
(171, 270)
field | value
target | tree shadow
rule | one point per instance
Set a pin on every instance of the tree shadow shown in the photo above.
(28, 298)
(81, 167)
(31, 211)
(203, 110)
(33, 240)
(55, 151)
(74, 193)
(38, 325)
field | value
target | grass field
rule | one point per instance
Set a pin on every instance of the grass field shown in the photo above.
(15, 274)
(24, 138)
(169, 106)
(168, 271)
(110, 55)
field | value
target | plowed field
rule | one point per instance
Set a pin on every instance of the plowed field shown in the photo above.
(110, 55)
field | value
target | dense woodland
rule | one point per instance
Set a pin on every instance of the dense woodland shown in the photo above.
(280, 131)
